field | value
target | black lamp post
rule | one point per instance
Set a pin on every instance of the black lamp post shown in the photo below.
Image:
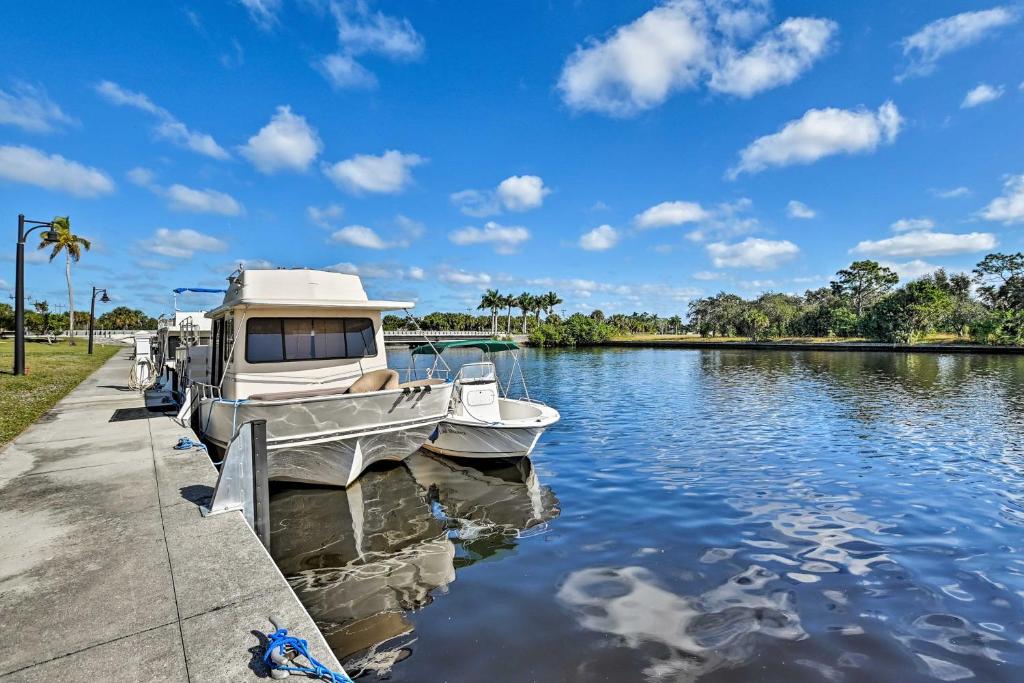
(19, 286)
(92, 311)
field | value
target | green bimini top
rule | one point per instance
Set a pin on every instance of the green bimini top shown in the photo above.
(485, 345)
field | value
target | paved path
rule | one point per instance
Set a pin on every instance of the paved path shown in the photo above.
(107, 569)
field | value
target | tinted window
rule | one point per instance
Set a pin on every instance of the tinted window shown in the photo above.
(270, 340)
(359, 338)
(329, 337)
(298, 338)
(263, 340)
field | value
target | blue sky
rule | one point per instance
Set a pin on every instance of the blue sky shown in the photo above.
(628, 155)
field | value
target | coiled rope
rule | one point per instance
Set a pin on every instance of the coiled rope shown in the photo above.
(185, 443)
(136, 380)
(277, 658)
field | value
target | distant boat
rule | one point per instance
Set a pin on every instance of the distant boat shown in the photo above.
(484, 422)
(304, 350)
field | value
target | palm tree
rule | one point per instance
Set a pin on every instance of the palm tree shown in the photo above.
(550, 301)
(71, 244)
(510, 301)
(525, 303)
(492, 300)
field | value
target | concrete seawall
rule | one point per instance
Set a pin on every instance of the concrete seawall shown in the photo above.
(108, 570)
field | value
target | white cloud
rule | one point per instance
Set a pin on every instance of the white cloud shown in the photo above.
(752, 252)
(23, 164)
(359, 236)
(30, 109)
(184, 198)
(911, 270)
(515, 193)
(981, 94)
(377, 271)
(796, 209)
(182, 243)
(725, 221)
(416, 273)
(343, 71)
(388, 173)
(779, 58)
(671, 213)
(640, 64)
(461, 277)
(476, 203)
(943, 36)
(680, 44)
(600, 238)
(820, 133)
(143, 177)
(325, 215)
(522, 192)
(254, 264)
(505, 239)
(707, 275)
(168, 127)
(364, 32)
(1009, 208)
(907, 224)
(263, 12)
(952, 193)
(921, 243)
(288, 142)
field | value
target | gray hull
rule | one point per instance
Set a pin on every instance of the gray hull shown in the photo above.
(331, 440)
(460, 440)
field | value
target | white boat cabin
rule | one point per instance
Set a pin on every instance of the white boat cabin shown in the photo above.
(283, 334)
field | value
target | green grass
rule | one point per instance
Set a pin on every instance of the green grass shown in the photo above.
(52, 371)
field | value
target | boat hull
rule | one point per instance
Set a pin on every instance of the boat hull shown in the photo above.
(459, 439)
(331, 440)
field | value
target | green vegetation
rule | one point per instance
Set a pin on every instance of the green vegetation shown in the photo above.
(53, 370)
(862, 301)
(40, 320)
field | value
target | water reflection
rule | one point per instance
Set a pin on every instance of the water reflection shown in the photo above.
(362, 559)
(726, 516)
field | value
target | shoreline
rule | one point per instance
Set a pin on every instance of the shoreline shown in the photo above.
(814, 346)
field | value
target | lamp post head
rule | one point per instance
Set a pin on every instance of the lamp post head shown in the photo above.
(50, 236)
(105, 299)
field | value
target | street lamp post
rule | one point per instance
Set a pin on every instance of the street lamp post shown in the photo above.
(19, 286)
(92, 311)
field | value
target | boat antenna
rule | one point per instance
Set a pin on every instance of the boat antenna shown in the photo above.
(437, 354)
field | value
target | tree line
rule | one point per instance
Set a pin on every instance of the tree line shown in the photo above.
(863, 300)
(41, 320)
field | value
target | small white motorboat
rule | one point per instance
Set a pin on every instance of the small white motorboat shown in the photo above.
(483, 421)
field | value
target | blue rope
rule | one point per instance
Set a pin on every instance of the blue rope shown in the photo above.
(185, 443)
(280, 639)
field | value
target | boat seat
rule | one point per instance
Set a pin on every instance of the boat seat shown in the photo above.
(376, 380)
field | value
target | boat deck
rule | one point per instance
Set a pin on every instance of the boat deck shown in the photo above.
(107, 568)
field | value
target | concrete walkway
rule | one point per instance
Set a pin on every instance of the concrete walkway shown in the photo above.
(107, 569)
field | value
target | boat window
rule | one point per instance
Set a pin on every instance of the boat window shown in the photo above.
(298, 339)
(272, 340)
(229, 338)
(359, 339)
(329, 337)
(263, 342)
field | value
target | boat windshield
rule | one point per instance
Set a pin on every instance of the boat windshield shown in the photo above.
(477, 372)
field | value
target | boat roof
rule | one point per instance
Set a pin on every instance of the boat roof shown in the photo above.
(300, 287)
(485, 345)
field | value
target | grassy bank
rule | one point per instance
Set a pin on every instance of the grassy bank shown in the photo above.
(928, 339)
(53, 370)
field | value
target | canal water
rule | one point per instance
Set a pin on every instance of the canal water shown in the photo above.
(696, 515)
